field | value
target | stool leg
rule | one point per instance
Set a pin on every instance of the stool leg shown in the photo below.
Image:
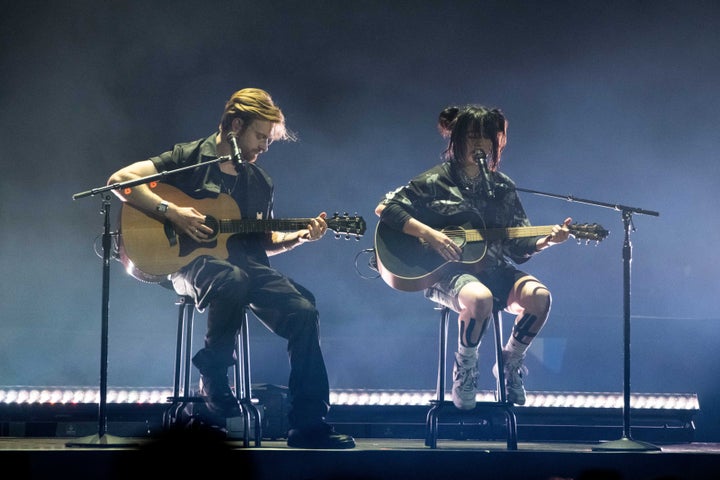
(444, 323)
(178, 347)
(243, 385)
(432, 415)
(183, 347)
(500, 393)
(189, 325)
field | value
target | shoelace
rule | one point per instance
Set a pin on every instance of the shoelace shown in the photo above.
(467, 376)
(515, 372)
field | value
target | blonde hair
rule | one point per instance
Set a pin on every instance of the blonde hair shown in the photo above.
(251, 104)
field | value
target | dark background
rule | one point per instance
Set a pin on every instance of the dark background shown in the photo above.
(612, 101)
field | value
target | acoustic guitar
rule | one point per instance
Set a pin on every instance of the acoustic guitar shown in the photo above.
(408, 264)
(151, 249)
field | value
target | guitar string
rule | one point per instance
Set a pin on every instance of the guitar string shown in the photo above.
(515, 232)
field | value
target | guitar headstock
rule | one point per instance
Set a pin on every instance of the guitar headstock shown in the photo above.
(349, 225)
(588, 231)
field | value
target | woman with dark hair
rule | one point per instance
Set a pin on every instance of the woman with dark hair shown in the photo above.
(468, 189)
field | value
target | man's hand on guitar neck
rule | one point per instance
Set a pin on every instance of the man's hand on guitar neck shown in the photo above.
(316, 229)
(289, 240)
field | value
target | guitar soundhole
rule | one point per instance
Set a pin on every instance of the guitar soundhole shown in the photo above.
(457, 235)
(214, 224)
(188, 245)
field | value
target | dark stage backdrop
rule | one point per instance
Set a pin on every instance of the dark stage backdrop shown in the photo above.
(613, 101)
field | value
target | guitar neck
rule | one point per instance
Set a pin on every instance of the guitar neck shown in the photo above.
(473, 235)
(261, 226)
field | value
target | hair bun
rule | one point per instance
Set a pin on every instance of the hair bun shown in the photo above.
(446, 120)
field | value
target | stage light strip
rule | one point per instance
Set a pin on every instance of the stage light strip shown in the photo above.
(359, 397)
(25, 395)
(534, 399)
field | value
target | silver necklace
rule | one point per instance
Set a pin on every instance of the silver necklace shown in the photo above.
(471, 183)
(229, 190)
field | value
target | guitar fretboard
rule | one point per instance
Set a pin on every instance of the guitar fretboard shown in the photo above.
(260, 226)
(511, 232)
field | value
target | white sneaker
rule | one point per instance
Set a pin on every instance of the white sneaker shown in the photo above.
(464, 387)
(514, 371)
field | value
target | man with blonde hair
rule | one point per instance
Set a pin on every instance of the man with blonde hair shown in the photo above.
(224, 286)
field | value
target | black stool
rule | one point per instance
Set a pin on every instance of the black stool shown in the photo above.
(501, 402)
(182, 397)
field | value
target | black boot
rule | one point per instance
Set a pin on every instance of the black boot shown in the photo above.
(321, 436)
(215, 386)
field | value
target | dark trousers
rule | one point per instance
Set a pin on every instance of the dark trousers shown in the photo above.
(282, 305)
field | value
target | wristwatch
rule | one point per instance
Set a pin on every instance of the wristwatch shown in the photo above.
(162, 206)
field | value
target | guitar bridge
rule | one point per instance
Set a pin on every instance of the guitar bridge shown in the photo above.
(170, 233)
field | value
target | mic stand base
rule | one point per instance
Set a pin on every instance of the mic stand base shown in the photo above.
(104, 441)
(626, 444)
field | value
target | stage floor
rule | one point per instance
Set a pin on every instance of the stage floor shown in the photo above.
(372, 459)
(367, 444)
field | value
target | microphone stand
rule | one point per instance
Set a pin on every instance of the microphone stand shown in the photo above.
(626, 442)
(102, 438)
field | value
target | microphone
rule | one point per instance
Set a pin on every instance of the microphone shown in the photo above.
(481, 159)
(236, 155)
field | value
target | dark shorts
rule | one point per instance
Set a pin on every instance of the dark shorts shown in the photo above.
(499, 280)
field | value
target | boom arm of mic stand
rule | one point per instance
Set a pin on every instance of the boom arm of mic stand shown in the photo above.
(149, 178)
(571, 198)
